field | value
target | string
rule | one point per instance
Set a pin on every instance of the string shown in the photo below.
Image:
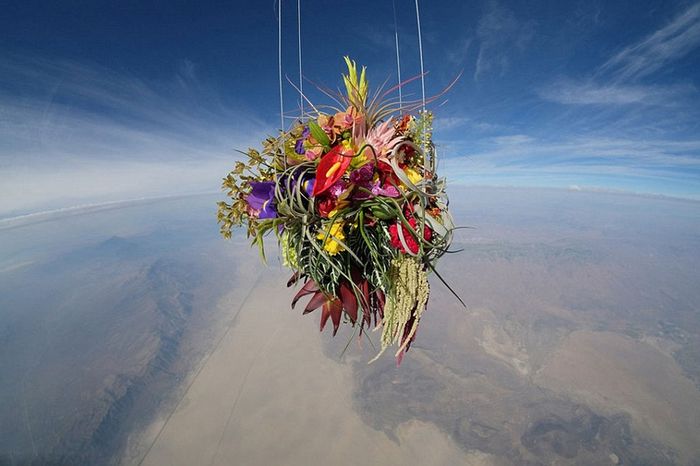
(398, 57)
(279, 60)
(301, 81)
(422, 85)
(420, 52)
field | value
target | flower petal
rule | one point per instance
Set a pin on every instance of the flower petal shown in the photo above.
(331, 167)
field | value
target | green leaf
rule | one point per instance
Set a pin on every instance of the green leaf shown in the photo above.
(382, 213)
(318, 134)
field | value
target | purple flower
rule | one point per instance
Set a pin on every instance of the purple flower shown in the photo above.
(299, 146)
(261, 197)
(389, 191)
(337, 188)
(364, 173)
(308, 186)
(371, 189)
(362, 178)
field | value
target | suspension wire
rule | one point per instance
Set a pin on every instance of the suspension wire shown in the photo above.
(301, 79)
(398, 57)
(420, 51)
(279, 60)
(432, 155)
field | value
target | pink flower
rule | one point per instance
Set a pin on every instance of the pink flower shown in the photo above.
(313, 154)
(388, 191)
(382, 139)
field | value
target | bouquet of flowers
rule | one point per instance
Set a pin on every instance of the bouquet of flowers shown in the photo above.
(359, 212)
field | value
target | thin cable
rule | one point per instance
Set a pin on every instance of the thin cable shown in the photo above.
(301, 79)
(279, 60)
(398, 57)
(420, 51)
(432, 154)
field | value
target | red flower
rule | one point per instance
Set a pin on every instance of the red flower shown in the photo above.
(408, 236)
(387, 175)
(331, 168)
(326, 205)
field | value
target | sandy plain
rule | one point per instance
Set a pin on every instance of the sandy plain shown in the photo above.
(248, 407)
(576, 349)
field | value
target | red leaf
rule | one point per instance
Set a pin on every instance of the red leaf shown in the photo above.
(315, 301)
(349, 301)
(308, 288)
(325, 314)
(364, 297)
(378, 301)
(364, 287)
(294, 278)
(336, 309)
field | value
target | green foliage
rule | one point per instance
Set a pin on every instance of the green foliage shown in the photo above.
(318, 134)
(258, 166)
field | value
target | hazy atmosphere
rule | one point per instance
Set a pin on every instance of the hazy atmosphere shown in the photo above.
(132, 333)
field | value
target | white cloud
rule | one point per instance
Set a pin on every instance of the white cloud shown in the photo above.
(499, 33)
(458, 53)
(656, 51)
(59, 107)
(640, 133)
(588, 93)
(616, 81)
(40, 187)
(514, 140)
(519, 154)
(448, 124)
(74, 134)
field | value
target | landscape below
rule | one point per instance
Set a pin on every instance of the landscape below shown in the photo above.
(137, 333)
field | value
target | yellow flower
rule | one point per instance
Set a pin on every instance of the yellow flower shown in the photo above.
(347, 147)
(361, 159)
(330, 244)
(413, 175)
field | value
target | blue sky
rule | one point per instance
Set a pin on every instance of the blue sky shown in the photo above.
(101, 101)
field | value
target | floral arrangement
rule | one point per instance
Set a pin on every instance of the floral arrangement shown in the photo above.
(359, 212)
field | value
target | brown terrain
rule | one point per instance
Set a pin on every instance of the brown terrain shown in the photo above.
(580, 345)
